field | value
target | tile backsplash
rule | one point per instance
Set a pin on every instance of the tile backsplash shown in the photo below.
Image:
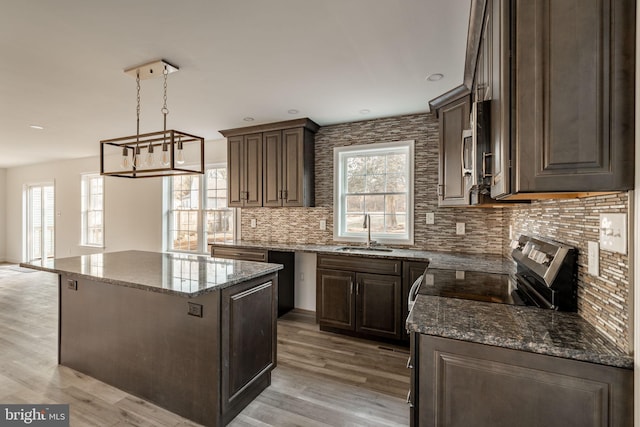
(302, 225)
(603, 300)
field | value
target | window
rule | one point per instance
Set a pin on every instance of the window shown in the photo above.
(197, 211)
(376, 179)
(92, 194)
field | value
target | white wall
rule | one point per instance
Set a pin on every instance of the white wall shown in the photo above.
(3, 214)
(133, 207)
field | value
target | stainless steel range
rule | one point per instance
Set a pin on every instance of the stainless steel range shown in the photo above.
(545, 277)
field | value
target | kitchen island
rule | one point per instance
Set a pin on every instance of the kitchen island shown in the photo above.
(195, 335)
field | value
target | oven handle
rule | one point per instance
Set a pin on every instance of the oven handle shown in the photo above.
(413, 292)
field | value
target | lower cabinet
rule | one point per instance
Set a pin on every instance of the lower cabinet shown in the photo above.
(457, 383)
(286, 276)
(353, 299)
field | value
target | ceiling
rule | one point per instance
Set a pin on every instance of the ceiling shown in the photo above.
(333, 61)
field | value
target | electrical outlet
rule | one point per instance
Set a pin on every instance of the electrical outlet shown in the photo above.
(72, 284)
(460, 274)
(430, 218)
(253, 223)
(460, 229)
(593, 258)
(427, 280)
(194, 309)
(323, 224)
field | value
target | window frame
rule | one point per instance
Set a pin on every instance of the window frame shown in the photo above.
(85, 203)
(339, 197)
(202, 246)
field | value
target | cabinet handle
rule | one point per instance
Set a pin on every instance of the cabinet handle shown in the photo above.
(285, 194)
(246, 195)
(440, 190)
(484, 164)
(357, 288)
(280, 194)
(409, 364)
(409, 400)
(351, 286)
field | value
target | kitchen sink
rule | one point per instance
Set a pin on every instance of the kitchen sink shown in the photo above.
(364, 248)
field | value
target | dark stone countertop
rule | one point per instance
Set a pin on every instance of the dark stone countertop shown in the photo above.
(179, 274)
(531, 329)
(442, 260)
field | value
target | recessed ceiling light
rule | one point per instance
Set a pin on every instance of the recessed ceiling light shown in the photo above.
(434, 77)
(293, 111)
(38, 127)
(248, 119)
(365, 111)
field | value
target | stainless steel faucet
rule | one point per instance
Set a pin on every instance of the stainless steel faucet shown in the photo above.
(367, 226)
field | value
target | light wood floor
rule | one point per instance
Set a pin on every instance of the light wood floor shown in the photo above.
(322, 379)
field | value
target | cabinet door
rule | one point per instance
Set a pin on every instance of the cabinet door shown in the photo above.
(253, 170)
(574, 84)
(292, 167)
(378, 305)
(453, 186)
(272, 155)
(235, 169)
(498, 12)
(335, 302)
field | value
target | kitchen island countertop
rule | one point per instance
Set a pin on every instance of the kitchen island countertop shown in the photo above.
(179, 274)
(531, 329)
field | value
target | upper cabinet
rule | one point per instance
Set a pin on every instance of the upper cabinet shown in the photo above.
(275, 160)
(556, 80)
(573, 95)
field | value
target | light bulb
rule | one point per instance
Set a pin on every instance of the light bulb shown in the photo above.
(165, 155)
(179, 154)
(124, 162)
(137, 158)
(150, 157)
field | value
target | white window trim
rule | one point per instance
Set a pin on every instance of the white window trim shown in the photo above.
(338, 198)
(83, 221)
(166, 220)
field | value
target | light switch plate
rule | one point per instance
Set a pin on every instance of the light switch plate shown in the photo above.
(253, 223)
(594, 258)
(460, 274)
(613, 232)
(323, 224)
(460, 228)
(430, 218)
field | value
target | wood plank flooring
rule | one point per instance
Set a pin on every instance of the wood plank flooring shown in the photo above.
(322, 379)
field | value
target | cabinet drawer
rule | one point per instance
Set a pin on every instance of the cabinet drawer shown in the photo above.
(244, 254)
(360, 264)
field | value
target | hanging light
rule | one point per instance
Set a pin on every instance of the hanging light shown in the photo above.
(181, 153)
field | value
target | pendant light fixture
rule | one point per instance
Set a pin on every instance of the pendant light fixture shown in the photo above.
(163, 153)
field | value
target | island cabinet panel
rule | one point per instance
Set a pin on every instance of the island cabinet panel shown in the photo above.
(135, 340)
(463, 384)
(248, 342)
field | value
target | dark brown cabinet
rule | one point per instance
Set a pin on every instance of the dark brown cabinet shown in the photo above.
(272, 165)
(288, 168)
(244, 161)
(457, 383)
(286, 276)
(562, 96)
(454, 181)
(352, 296)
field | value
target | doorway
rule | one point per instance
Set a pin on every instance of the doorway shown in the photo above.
(40, 222)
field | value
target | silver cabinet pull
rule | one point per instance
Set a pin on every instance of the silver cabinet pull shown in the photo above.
(484, 164)
(409, 401)
(357, 288)
(351, 286)
(409, 364)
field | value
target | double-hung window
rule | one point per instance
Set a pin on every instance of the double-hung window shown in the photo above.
(197, 211)
(92, 195)
(374, 180)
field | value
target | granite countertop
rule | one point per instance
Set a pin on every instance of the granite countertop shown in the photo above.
(442, 260)
(179, 274)
(530, 329)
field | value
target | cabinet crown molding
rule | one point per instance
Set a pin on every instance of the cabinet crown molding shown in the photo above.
(287, 124)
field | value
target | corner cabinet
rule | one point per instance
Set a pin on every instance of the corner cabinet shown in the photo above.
(454, 183)
(272, 165)
(458, 383)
